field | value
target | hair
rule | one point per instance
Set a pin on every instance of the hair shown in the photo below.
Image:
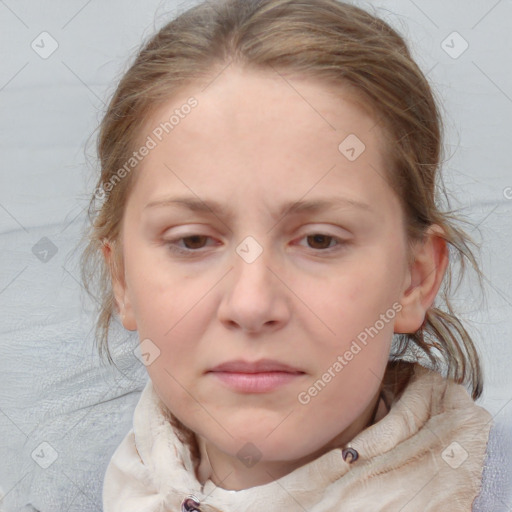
(339, 45)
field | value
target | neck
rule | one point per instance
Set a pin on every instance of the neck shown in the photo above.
(230, 473)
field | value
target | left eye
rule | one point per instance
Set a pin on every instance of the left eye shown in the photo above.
(322, 240)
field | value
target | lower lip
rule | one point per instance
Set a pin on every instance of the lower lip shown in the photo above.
(256, 382)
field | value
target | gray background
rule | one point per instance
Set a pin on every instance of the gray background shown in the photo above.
(53, 389)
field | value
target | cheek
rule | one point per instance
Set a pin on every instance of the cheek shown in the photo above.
(361, 292)
(158, 295)
(174, 318)
(171, 309)
(359, 307)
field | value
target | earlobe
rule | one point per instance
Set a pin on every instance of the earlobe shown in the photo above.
(424, 279)
(119, 287)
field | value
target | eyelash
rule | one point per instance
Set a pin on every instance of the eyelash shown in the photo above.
(171, 244)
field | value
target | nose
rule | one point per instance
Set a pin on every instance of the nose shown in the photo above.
(255, 297)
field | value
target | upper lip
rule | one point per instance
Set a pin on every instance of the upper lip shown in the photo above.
(263, 365)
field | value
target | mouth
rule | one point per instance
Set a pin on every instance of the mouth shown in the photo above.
(261, 366)
(257, 377)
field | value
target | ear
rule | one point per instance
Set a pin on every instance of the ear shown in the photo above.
(424, 278)
(112, 256)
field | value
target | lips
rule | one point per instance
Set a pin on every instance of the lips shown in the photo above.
(264, 376)
(261, 366)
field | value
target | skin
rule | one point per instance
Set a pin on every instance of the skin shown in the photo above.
(253, 143)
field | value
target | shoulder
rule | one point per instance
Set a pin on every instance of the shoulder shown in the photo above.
(496, 490)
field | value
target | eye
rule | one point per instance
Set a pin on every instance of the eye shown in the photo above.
(322, 242)
(192, 243)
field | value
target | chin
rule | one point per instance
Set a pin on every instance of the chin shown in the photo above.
(264, 446)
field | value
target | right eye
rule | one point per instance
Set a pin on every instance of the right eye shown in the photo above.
(192, 243)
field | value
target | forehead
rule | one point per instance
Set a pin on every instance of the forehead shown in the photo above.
(263, 133)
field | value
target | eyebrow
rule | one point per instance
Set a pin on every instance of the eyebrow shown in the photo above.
(290, 207)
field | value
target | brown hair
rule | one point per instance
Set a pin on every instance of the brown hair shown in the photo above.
(340, 45)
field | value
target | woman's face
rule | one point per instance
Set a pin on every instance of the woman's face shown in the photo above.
(261, 227)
